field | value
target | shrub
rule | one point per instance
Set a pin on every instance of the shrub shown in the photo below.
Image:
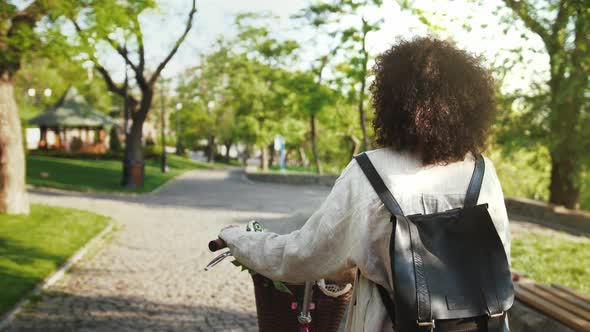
(115, 143)
(76, 144)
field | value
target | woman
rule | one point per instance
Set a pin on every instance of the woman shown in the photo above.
(433, 108)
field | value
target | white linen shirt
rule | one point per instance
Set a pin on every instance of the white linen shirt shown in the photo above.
(351, 229)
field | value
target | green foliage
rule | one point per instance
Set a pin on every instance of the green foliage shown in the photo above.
(552, 113)
(35, 245)
(114, 142)
(524, 172)
(352, 43)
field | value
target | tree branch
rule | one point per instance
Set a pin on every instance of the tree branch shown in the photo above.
(108, 79)
(561, 19)
(522, 10)
(139, 37)
(580, 59)
(558, 28)
(123, 52)
(111, 85)
(30, 15)
(189, 24)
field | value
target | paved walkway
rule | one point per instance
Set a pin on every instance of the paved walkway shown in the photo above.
(150, 276)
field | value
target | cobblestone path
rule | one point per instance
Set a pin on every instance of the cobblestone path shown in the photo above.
(150, 276)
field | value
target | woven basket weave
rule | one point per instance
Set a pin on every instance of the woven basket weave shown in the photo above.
(275, 311)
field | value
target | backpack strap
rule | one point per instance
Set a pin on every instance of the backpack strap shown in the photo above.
(377, 184)
(475, 183)
(393, 206)
(388, 302)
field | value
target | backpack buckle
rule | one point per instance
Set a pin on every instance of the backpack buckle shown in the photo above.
(500, 314)
(430, 324)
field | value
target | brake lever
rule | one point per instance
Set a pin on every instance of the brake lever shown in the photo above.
(217, 259)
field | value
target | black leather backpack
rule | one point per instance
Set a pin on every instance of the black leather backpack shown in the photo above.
(450, 270)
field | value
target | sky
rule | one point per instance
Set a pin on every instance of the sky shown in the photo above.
(214, 18)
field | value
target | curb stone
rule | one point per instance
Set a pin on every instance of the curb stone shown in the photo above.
(7, 318)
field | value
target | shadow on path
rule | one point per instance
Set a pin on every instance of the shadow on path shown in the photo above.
(89, 313)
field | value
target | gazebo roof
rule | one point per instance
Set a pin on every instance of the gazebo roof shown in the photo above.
(72, 111)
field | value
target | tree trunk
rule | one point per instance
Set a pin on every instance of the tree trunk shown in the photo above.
(13, 192)
(563, 188)
(565, 154)
(211, 149)
(567, 100)
(314, 147)
(227, 147)
(264, 158)
(134, 167)
(272, 152)
(363, 116)
(304, 161)
(246, 155)
(133, 163)
(355, 146)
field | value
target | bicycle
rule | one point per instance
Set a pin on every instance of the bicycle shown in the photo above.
(304, 319)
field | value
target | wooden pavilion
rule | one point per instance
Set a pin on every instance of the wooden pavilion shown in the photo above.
(75, 125)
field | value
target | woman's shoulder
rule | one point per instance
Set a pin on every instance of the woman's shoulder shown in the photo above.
(387, 161)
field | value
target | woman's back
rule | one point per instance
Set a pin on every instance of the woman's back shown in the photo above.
(419, 189)
(434, 105)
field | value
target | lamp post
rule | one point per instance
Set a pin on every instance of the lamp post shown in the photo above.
(163, 162)
(211, 143)
(179, 148)
(36, 95)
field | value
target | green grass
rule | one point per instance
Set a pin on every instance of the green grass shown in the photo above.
(553, 258)
(34, 246)
(100, 175)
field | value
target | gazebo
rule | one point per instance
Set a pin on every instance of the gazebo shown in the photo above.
(75, 125)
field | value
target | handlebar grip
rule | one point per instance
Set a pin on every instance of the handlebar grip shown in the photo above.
(217, 245)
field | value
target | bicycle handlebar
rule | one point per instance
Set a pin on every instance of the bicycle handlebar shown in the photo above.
(217, 245)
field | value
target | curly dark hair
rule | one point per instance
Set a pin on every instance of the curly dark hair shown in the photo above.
(433, 99)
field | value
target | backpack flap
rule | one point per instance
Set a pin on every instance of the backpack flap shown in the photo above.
(449, 265)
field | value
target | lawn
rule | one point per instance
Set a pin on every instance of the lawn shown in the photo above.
(553, 258)
(34, 246)
(99, 175)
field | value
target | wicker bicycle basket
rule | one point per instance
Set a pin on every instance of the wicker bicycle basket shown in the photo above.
(277, 312)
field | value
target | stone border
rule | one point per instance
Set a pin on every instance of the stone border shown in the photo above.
(548, 215)
(291, 178)
(7, 318)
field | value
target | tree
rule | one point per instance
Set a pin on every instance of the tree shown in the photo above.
(552, 113)
(353, 40)
(98, 22)
(205, 87)
(17, 39)
(310, 97)
(564, 28)
(270, 53)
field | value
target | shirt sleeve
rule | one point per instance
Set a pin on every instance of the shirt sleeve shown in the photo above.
(321, 248)
(497, 209)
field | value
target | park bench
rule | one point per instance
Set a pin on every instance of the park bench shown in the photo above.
(556, 301)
